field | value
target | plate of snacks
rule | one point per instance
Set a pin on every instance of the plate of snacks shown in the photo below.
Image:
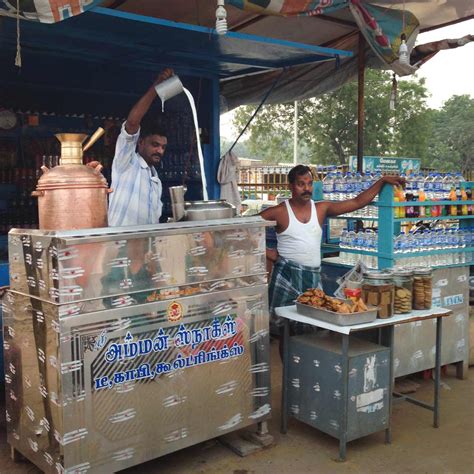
(316, 304)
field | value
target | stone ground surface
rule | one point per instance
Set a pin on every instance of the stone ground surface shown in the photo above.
(416, 448)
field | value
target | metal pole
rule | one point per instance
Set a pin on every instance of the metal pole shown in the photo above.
(391, 381)
(285, 335)
(345, 401)
(295, 135)
(360, 102)
(439, 332)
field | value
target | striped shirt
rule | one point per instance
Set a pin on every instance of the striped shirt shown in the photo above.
(136, 196)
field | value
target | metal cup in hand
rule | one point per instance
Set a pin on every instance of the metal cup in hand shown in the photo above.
(168, 89)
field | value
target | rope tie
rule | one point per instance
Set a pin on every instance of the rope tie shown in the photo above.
(18, 46)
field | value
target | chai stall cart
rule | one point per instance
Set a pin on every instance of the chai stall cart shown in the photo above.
(125, 344)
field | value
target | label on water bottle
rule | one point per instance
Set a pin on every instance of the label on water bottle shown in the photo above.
(327, 188)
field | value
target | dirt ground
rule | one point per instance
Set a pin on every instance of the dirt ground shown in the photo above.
(416, 448)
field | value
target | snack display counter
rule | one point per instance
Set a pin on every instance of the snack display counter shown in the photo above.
(125, 344)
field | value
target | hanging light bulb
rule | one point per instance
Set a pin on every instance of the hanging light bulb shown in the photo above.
(393, 94)
(221, 18)
(403, 56)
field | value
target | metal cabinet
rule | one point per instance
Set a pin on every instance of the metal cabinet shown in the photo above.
(319, 394)
(132, 365)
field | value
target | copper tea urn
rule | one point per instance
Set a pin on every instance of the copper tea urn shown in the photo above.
(72, 195)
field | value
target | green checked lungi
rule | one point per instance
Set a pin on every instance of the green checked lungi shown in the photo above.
(289, 279)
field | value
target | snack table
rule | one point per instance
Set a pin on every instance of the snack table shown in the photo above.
(289, 313)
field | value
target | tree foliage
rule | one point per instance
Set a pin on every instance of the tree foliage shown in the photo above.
(452, 141)
(327, 125)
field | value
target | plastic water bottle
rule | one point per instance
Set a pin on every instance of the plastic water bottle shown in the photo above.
(400, 248)
(429, 245)
(448, 183)
(408, 182)
(397, 244)
(428, 185)
(349, 182)
(371, 246)
(358, 185)
(459, 181)
(438, 187)
(328, 186)
(343, 245)
(420, 183)
(339, 187)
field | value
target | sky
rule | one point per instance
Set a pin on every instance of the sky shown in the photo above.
(449, 73)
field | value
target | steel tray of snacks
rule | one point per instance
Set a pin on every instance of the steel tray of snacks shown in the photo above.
(341, 319)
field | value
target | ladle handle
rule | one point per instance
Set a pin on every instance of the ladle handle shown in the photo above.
(95, 136)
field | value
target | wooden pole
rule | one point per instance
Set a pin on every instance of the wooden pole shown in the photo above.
(360, 102)
(295, 135)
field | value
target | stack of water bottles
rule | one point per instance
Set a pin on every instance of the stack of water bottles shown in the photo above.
(455, 243)
(366, 241)
(457, 246)
(340, 187)
(435, 187)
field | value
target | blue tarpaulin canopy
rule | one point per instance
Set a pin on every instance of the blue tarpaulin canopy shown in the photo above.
(109, 55)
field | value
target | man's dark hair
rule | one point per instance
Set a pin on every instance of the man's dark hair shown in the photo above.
(298, 170)
(152, 127)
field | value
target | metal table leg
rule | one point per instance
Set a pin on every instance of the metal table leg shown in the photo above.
(439, 326)
(388, 430)
(345, 401)
(284, 385)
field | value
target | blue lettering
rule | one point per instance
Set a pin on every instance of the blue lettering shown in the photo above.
(101, 382)
(197, 337)
(146, 346)
(183, 336)
(160, 343)
(130, 347)
(225, 354)
(216, 329)
(200, 358)
(179, 363)
(119, 377)
(144, 372)
(229, 328)
(114, 352)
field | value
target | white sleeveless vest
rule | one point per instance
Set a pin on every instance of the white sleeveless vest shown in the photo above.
(301, 243)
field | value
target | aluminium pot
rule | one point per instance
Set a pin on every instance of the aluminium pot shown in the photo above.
(208, 210)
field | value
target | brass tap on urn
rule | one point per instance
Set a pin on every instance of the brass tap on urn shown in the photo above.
(72, 195)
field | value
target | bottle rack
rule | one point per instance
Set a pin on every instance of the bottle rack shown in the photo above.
(390, 226)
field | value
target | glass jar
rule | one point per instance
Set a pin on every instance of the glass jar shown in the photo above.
(378, 290)
(403, 282)
(422, 287)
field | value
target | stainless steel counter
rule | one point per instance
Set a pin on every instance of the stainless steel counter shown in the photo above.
(125, 344)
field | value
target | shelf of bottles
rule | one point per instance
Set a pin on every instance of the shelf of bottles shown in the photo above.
(338, 186)
(430, 222)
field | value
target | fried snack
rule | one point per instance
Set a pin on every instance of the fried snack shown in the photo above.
(318, 299)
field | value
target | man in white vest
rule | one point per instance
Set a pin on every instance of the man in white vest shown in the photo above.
(297, 258)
